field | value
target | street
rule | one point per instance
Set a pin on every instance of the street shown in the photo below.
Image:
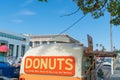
(106, 72)
(116, 75)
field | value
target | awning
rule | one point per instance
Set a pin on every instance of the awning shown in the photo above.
(4, 48)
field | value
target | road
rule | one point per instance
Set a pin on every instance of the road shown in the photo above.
(116, 75)
(106, 71)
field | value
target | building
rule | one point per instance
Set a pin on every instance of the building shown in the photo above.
(17, 44)
(37, 40)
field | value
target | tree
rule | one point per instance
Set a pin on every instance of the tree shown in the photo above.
(97, 8)
(43, 0)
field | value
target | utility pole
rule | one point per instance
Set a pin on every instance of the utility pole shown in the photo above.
(111, 46)
(111, 41)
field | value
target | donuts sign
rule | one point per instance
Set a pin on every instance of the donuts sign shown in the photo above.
(54, 65)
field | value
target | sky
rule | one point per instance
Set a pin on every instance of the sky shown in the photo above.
(33, 17)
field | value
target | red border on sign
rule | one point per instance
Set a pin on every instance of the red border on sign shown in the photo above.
(53, 65)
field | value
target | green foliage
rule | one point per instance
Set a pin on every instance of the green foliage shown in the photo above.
(97, 8)
(117, 51)
(43, 0)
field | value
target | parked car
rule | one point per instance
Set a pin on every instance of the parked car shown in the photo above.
(99, 60)
(8, 71)
(106, 63)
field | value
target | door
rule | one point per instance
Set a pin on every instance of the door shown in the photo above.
(1, 57)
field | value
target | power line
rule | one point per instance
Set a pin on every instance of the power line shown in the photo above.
(71, 13)
(72, 25)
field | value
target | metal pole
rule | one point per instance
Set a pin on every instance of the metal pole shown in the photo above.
(111, 46)
(112, 66)
(111, 42)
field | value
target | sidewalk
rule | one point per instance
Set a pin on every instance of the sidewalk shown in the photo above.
(116, 75)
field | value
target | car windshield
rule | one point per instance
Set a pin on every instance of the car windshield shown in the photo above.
(107, 60)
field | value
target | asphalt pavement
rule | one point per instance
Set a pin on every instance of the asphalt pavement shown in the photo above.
(116, 75)
(106, 71)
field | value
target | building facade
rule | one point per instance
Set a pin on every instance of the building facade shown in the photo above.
(17, 44)
(37, 40)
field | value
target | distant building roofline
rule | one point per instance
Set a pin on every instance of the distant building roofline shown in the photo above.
(56, 37)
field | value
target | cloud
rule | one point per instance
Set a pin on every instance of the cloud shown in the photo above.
(27, 12)
(17, 21)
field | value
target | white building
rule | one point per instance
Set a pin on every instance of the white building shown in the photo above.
(17, 44)
(37, 40)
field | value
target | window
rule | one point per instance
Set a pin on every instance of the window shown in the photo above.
(22, 50)
(31, 44)
(2, 43)
(52, 42)
(17, 51)
(44, 42)
(37, 43)
(24, 39)
(11, 50)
